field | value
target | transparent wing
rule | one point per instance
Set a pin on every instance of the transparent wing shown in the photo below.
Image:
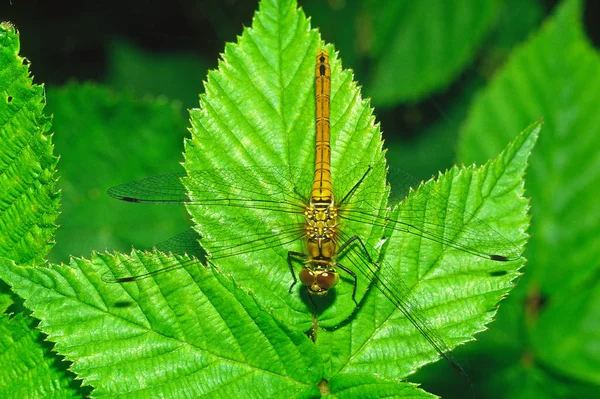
(188, 243)
(272, 188)
(184, 243)
(268, 200)
(431, 215)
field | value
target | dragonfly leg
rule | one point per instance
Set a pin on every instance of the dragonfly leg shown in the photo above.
(291, 256)
(352, 240)
(351, 273)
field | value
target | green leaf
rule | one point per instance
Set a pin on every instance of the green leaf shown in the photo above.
(455, 294)
(516, 20)
(28, 207)
(29, 369)
(188, 333)
(555, 75)
(250, 142)
(258, 113)
(28, 198)
(101, 135)
(204, 330)
(178, 76)
(366, 385)
(421, 47)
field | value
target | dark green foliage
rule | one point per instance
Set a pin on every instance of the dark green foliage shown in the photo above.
(230, 328)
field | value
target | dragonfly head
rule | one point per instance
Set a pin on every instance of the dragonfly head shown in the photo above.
(319, 280)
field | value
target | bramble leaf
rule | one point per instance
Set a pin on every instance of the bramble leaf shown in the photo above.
(28, 209)
(231, 326)
(554, 75)
(188, 333)
(28, 198)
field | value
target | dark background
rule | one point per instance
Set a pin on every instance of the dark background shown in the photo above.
(68, 40)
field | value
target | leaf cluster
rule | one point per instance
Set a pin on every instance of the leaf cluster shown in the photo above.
(230, 328)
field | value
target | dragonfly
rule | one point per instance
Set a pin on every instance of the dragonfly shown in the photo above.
(287, 206)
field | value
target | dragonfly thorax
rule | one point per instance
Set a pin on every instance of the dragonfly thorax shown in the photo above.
(321, 220)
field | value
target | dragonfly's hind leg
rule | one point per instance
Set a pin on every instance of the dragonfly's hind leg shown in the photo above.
(291, 256)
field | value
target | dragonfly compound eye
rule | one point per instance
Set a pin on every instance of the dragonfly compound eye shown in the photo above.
(327, 279)
(307, 277)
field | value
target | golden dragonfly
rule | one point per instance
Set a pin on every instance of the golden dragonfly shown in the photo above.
(283, 214)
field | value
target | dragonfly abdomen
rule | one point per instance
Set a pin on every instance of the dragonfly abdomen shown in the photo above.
(322, 188)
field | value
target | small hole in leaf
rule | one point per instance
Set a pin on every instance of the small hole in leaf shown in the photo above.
(8, 99)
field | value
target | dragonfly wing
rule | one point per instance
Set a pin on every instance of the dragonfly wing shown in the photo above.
(269, 209)
(187, 243)
(130, 269)
(431, 215)
(183, 244)
(270, 188)
(162, 189)
(467, 234)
